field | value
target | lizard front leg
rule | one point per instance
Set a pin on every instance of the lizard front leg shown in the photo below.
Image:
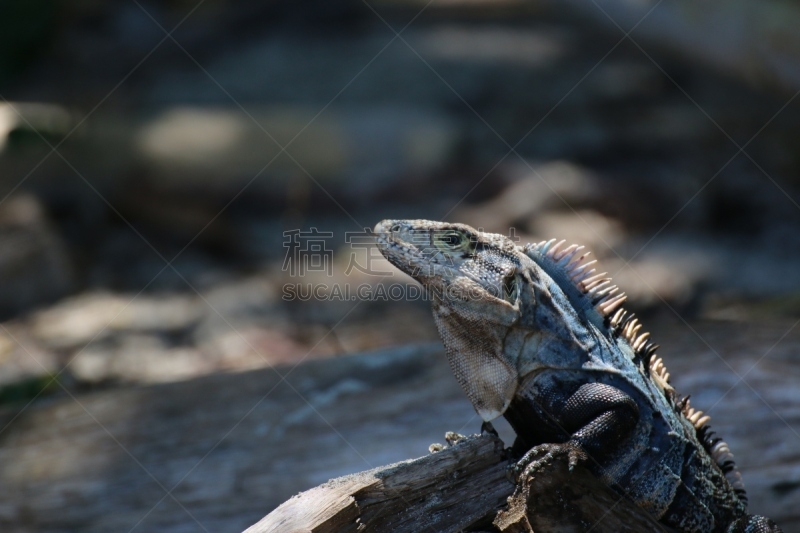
(594, 419)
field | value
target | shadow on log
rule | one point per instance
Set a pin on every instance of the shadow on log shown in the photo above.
(460, 488)
(555, 500)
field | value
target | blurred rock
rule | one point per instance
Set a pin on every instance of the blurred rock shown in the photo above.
(33, 119)
(661, 282)
(22, 357)
(532, 189)
(598, 233)
(222, 149)
(234, 306)
(138, 359)
(521, 47)
(107, 338)
(754, 40)
(252, 347)
(35, 267)
(91, 317)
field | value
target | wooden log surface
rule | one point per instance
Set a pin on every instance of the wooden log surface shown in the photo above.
(460, 488)
(557, 500)
(218, 453)
(441, 492)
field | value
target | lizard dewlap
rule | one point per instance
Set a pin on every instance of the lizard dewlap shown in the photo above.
(537, 335)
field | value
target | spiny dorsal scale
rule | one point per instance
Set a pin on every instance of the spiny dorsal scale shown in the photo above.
(570, 263)
(611, 292)
(617, 318)
(613, 304)
(626, 320)
(581, 274)
(588, 283)
(552, 251)
(629, 325)
(544, 245)
(649, 354)
(566, 256)
(640, 340)
(577, 264)
(605, 292)
(702, 422)
(591, 286)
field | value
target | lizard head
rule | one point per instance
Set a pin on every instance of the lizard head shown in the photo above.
(453, 258)
(505, 311)
(478, 292)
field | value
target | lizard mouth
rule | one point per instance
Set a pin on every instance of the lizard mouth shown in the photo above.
(401, 246)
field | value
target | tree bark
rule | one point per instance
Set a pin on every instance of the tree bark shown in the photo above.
(445, 491)
(460, 488)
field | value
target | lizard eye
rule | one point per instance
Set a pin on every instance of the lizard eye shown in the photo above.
(452, 241)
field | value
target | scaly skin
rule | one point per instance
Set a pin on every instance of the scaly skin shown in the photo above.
(533, 334)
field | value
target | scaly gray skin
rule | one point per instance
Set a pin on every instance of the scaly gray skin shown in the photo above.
(534, 334)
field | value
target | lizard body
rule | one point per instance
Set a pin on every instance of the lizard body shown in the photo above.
(534, 334)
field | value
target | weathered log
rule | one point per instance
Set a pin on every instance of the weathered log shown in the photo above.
(444, 492)
(460, 487)
(555, 500)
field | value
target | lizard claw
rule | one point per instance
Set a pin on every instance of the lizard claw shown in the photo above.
(436, 447)
(451, 438)
(488, 428)
(543, 454)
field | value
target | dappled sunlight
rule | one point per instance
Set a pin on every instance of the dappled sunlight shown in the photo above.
(524, 48)
(196, 137)
(38, 118)
(192, 304)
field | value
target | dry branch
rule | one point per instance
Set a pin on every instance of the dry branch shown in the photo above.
(555, 500)
(461, 487)
(445, 491)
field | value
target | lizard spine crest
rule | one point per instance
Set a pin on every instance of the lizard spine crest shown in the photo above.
(594, 294)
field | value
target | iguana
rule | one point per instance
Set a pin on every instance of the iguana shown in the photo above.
(535, 334)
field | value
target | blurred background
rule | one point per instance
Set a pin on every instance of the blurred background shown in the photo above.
(168, 167)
